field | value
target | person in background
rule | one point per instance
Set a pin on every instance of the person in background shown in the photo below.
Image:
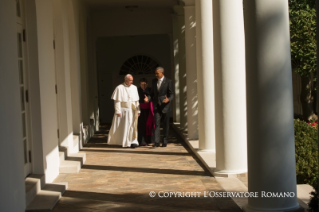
(146, 119)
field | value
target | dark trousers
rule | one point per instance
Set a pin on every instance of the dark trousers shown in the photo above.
(142, 120)
(158, 115)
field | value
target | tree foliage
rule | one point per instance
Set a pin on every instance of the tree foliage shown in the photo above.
(303, 36)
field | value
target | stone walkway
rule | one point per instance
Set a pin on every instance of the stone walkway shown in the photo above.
(121, 179)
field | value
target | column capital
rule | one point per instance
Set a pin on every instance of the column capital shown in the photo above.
(189, 2)
(179, 9)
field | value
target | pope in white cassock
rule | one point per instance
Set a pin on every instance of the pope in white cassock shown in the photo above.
(124, 125)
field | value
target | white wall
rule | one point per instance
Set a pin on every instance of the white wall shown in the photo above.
(114, 51)
(12, 188)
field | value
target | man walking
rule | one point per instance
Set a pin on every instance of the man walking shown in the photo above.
(161, 95)
(124, 125)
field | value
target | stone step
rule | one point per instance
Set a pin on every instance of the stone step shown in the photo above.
(44, 201)
(61, 156)
(32, 187)
(64, 150)
(70, 166)
(75, 146)
(41, 196)
(58, 187)
(81, 157)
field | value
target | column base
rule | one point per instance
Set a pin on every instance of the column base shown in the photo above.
(208, 156)
(231, 173)
(298, 208)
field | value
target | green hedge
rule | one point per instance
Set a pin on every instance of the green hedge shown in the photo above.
(306, 145)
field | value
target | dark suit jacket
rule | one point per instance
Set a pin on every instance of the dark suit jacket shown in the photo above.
(157, 96)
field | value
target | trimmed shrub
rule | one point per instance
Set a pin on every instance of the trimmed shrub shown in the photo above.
(313, 204)
(306, 145)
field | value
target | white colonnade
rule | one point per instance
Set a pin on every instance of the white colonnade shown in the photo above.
(191, 71)
(270, 130)
(182, 66)
(230, 99)
(176, 68)
(205, 75)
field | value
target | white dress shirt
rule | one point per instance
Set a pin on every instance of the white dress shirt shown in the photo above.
(159, 83)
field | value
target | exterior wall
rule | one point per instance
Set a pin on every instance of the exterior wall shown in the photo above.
(114, 51)
(12, 188)
(46, 61)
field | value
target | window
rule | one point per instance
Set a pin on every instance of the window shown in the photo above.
(138, 65)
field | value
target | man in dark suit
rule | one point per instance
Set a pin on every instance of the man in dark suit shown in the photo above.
(161, 95)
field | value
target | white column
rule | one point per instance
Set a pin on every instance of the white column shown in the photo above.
(205, 75)
(38, 158)
(46, 72)
(75, 67)
(182, 66)
(229, 54)
(270, 129)
(176, 67)
(191, 72)
(67, 65)
(62, 70)
(12, 190)
(92, 79)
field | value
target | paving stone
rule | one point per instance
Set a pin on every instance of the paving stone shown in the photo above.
(120, 179)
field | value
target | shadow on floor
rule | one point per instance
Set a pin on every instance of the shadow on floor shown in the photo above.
(146, 170)
(136, 152)
(99, 140)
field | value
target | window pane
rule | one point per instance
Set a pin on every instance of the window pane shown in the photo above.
(22, 98)
(25, 151)
(18, 8)
(19, 45)
(24, 125)
(139, 65)
(21, 71)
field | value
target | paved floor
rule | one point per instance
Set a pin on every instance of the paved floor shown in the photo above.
(121, 179)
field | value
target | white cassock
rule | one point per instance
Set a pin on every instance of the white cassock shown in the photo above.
(124, 129)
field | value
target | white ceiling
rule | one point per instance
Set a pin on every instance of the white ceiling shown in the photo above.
(95, 4)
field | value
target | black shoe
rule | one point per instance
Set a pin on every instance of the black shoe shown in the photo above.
(133, 146)
(164, 145)
(156, 145)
